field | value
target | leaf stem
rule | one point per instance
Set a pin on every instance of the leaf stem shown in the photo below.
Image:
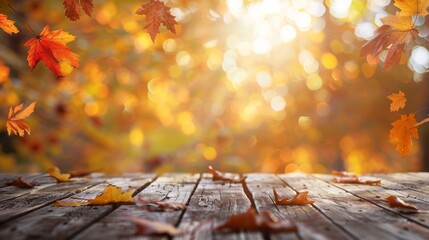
(26, 23)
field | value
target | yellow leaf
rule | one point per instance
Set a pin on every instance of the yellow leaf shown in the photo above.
(398, 101)
(56, 173)
(402, 132)
(15, 122)
(412, 7)
(402, 23)
(7, 25)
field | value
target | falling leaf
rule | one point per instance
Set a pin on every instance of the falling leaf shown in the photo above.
(357, 180)
(265, 221)
(21, 183)
(4, 72)
(402, 132)
(50, 47)
(395, 202)
(111, 194)
(146, 227)
(156, 13)
(217, 175)
(151, 205)
(72, 8)
(15, 122)
(299, 199)
(56, 173)
(343, 173)
(80, 173)
(395, 34)
(422, 122)
(7, 25)
(398, 101)
(412, 7)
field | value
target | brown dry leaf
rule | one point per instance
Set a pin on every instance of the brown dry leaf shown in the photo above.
(412, 7)
(21, 183)
(265, 221)
(156, 13)
(7, 25)
(299, 199)
(15, 121)
(80, 173)
(56, 173)
(395, 202)
(402, 132)
(357, 180)
(72, 8)
(343, 173)
(111, 194)
(217, 175)
(398, 101)
(152, 205)
(146, 227)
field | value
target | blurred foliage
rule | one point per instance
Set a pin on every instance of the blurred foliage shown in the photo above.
(271, 86)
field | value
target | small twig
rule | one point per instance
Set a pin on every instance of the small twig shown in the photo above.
(26, 23)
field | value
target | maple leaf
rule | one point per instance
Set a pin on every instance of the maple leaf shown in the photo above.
(299, 199)
(21, 183)
(156, 13)
(412, 7)
(152, 205)
(217, 175)
(395, 202)
(7, 25)
(402, 132)
(398, 101)
(395, 34)
(4, 72)
(15, 121)
(56, 173)
(50, 47)
(72, 8)
(343, 173)
(265, 221)
(357, 180)
(111, 194)
(146, 227)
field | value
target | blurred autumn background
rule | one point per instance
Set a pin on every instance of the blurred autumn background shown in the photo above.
(263, 85)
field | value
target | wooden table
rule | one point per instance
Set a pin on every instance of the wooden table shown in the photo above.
(340, 211)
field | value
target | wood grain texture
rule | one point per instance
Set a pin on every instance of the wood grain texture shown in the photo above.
(62, 222)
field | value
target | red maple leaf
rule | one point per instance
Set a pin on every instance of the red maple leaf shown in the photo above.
(73, 11)
(156, 13)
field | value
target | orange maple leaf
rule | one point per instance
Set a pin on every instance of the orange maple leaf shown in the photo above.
(398, 101)
(4, 72)
(72, 8)
(218, 175)
(299, 199)
(50, 47)
(56, 173)
(395, 202)
(111, 194)
(156, 13)
(402, 132)
(412, 7)
(395, 34)
(15, 121)
(7, 25)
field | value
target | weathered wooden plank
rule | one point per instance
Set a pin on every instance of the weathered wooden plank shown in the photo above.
(63, 222)
(311, 223)
(358, 217)
(210, 205)
(378, 194)
(416, 181)
(40, 181)
(169, 187)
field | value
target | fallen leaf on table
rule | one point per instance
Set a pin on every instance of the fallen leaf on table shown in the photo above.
(73, 10)
(111, 194)
(357, 180)
(149, 228)
(50, 48)
(398, 101)
(156, 13)
(80, 173)
(265, 221)
(395, 202)
(15, 121)
(56, 173)
(343, 173)
(152, 205)
(402, 132)
(217, 175)
(299, 199)
(21, 183)
(7, 25)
